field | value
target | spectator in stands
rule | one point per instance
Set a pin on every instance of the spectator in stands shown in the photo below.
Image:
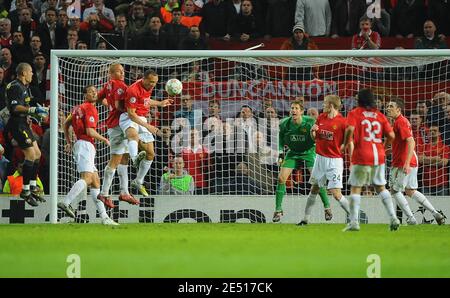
(178, 181)
(239, 184)
(35, 45)
(430, 40)
(8, 65)
(42, 9)
(419, 129)
(299, 40)
(175, 31)
(196, 158)
(5, 33)
(105, 14)
(383, 23)
(445, 129)
(63, 19)
(279, 18)
(163, 155)
(195, 73)
(50, 32)
(122, 32)
(366, 38)
(190, 17)
(187, 110)
(167, 10)
(14, 14)
(439, 10)
(423, 110)
(214, 19)
(71, 40)
(313, 112)
(93, 24)
(82, 45)
(27, 24)
(40, 71)
(101, 45)
(407, 17)
(246, 25)
(154, 38)
(346, 15)
(138, 21)
(314, 16)
(194, 40)
(434, 157)
(21, 51)
(214, 109)
(246, 130)
(436, 113)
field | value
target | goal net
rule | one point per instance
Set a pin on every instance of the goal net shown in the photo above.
(224, 125)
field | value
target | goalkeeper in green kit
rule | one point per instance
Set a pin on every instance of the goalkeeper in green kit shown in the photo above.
(295, 134)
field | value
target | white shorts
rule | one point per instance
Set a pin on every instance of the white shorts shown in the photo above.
(84, 156)
(118, 141)
(361, 175)
(144, 135)
(327, 169)
(398, 180)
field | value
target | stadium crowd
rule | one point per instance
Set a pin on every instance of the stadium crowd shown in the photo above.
(30, 29)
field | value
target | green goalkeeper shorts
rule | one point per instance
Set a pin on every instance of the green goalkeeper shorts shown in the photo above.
(294, 160)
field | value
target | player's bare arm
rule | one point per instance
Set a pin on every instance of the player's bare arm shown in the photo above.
(67, 124)
(163, 103)
(411, 145)
(135, 118)
(313, 131)
(348, 135)
(91, 132)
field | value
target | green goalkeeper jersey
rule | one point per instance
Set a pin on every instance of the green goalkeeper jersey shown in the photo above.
(296, 137)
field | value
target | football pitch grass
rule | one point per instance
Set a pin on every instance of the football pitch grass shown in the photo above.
(223, 250)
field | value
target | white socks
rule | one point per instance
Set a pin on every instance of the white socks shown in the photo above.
(144, 166)
(309, 204)
(355, 202)
(133, 149)
(422, 200)
(77, 189)
(387, 202)
(122, 171)
(100, 206)
(108, 176)
(403, 203)
(345, 204)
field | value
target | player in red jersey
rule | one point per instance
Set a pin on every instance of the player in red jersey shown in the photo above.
(84, 120)
(403, 174)
(138, 131)
(328, 132)
(367, 126)
(113, 96)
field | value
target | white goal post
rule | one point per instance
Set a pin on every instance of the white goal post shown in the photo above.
(364, 65)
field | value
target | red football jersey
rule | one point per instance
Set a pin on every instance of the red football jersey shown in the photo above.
(138, 98)
(84, 116)
(370, 126)
(330, 135)
(113, 91)
(402, 130)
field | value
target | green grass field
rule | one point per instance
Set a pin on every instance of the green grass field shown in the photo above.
(223, 250)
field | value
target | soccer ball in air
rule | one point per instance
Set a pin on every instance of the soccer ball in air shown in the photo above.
(174, 87)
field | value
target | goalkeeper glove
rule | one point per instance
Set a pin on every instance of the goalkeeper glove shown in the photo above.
(281, 157)
(40, 111)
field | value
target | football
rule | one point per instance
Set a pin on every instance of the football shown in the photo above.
(174, 87)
